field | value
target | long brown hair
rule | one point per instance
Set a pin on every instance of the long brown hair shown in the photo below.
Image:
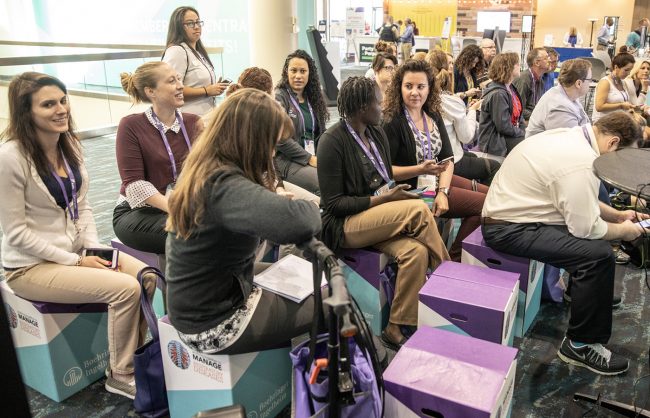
(394, 102)
(440, 64)
(242, 133)
(22, 128)
(176, 32)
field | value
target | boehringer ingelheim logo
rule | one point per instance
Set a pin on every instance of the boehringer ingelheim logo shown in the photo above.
(11, 316)
(178, 354)
(72, 376)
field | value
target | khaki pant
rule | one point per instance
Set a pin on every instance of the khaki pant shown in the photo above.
(50, 282)
(406, 51)
(407, 231)
(600, 47)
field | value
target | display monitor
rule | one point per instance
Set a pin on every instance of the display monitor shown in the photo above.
(526, 24)
(490, 20)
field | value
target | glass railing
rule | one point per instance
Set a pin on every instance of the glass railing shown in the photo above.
(90, 71)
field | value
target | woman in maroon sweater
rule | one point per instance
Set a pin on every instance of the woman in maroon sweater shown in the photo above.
(151, 148)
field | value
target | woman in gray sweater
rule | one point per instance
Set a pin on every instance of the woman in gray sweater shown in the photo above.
(223, 205)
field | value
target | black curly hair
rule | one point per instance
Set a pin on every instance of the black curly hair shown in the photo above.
(393, 101)
(312, 89)
(356, 93)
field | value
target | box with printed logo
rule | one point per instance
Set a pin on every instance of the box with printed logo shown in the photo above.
(61, 348)
(260, 381)
(438, 373)
(149, 259)
(368, 281)
(476, 252)
(470, 300)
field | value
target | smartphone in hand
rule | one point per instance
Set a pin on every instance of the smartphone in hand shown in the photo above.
(645, 223)
(419, 191)
(107, 254)
(442, 162)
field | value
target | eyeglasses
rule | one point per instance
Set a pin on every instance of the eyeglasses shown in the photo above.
(389, 68)
(193, 23)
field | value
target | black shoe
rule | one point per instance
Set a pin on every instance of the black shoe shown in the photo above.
(594, 357)
(616, 300)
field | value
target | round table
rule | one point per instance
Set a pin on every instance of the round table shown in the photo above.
(627, 170)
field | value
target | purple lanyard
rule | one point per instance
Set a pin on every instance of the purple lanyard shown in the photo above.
(428, 153)
(586, 134)
(73, 206)
(159, 125)
(295, 104)
(373, 156)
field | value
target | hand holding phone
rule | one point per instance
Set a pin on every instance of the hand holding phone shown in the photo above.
(645, 223)
(420, 190)
(107, 254)
(445, 161)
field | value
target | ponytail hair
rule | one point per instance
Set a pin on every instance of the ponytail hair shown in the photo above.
(146, 75)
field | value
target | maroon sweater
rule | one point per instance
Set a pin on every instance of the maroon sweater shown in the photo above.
(141, 153)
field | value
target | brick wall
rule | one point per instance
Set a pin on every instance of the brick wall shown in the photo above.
(467, 11)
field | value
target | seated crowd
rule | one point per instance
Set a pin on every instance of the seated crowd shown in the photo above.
(205, 191)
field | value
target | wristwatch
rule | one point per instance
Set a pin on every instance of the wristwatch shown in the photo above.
(444, 190)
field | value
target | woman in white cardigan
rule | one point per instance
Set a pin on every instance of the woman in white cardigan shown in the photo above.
(461, 124)
(47, 222)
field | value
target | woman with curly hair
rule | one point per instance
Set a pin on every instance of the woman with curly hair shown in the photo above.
(421, 152)
(299, 93)
(360, 209)
(502, 116)
(467, 68)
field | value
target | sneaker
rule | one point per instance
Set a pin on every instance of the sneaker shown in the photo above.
(594, 357)
(621, 257)
(120, 388)
(616, 300)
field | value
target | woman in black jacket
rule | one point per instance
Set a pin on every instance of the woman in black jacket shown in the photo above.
(501, 120)
(300, 95)
(362, 207)
(223, 205)
(421, 152)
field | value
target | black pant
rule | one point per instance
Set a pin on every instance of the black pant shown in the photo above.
(513, 141)
(141, 228)
(474, 168)
(590, 263)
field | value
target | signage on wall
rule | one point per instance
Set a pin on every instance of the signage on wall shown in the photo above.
(367, 52)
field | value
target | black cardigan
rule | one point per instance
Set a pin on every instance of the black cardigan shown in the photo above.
(343, 187)
(402, 143)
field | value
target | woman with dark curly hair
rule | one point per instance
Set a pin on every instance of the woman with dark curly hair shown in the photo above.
(501, 120)
(360, 208)
(299, 93)
(421, 152)
(467, 68)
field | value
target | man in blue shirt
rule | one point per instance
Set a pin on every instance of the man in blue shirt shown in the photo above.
(633, 41)
(407, 39)
(603, 35)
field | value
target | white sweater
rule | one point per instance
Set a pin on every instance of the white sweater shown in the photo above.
(35, 229)
(461, 125)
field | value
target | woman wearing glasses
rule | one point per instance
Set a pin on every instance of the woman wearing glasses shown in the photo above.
(187, 55)
(383, 67)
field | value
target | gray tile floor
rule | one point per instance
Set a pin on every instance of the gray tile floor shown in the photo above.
(544, 385)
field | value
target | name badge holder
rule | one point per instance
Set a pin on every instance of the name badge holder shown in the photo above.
(72, 204)
(172, 160)
(308, 147)
(424, 180)
(375, 158)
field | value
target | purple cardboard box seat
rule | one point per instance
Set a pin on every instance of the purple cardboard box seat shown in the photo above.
(368, 283)
(441, 373)
(61, 348)
(477, 253)
(470, 300)
(149, 259)
(260, 381)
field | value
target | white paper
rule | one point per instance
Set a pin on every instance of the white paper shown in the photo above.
(290, 277)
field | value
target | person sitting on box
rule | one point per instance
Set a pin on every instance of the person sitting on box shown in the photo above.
(362, 205)
(299, 93)
(47, 222)
(543, 205)
(223, 205)
(150, 148)
(421, 152)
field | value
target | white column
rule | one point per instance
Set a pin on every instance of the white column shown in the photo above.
(272, 37)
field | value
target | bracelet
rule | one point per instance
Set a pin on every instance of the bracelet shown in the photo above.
(79, 260)
(206, 92)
